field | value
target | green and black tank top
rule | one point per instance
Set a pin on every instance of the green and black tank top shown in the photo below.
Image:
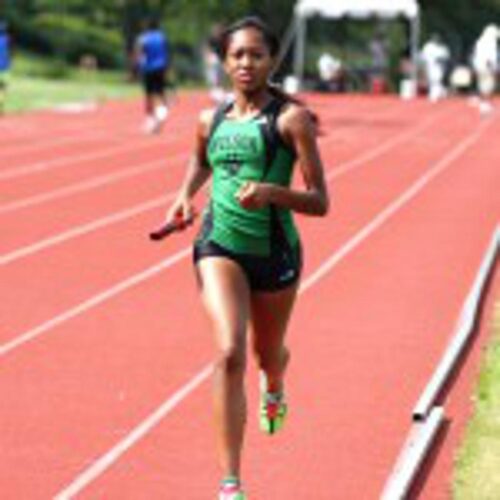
(240, 151)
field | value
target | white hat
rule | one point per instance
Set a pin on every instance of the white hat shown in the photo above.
(492, 30)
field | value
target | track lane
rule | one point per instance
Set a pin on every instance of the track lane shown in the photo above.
(40, 130)
(364, 339)
(18, 181)
(111, 121)
(35, 129)
(95, 251)
(343, 155)
(155, 473)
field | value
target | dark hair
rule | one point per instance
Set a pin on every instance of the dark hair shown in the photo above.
(273, 44)
(255, 22)
(153, 23)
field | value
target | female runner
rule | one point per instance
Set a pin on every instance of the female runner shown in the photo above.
(248, 254)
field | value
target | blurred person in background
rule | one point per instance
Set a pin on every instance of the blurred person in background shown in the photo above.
(435, 56)
(331, 74)
(214, 69)
(461, 79)
(485, 63)
(5, 49)
(152, 56)
(409, 75)
(378, 70)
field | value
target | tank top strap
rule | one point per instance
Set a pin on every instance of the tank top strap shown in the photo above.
(268, 123)
(219, 115)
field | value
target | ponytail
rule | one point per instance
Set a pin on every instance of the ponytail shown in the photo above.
(281, 95)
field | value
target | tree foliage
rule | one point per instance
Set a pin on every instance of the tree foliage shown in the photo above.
(188, 21)
(459, 21)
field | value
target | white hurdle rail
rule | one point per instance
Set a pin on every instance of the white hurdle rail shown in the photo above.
(418, 443)
(464, 330)
(428, 417)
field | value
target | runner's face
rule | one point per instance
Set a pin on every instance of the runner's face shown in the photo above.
(248, 61)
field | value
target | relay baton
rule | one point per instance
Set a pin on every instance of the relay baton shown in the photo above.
(178, 224)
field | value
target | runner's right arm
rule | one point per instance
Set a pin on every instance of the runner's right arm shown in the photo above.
(198, 171)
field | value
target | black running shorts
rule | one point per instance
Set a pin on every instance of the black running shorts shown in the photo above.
(265, 274)
(154, 82)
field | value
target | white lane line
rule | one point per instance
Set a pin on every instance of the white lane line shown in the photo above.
(397, 204)
(134, 436)
(84, 133)
(103, 463)
(81, 230)
(7, 258)
(94, 301)
(87, 185)
(382, 148)
(95, 182)
(61, 162)
(25, 251)
(103, 222)
(67, 139)
(131, 147)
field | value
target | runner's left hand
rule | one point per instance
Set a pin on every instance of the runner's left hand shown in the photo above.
(253, 195)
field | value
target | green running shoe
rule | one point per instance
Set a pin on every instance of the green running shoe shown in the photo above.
(273, 409)
(230, 489)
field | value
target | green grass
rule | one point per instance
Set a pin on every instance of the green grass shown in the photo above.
(477, 472)
(38, 83)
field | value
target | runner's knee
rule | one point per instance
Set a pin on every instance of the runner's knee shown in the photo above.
(231, 360)
(272, 359)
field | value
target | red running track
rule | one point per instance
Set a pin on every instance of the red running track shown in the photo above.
(104, 351)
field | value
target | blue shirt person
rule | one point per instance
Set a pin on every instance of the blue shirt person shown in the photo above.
(4, 48)
(154, 51)
(4, 63)
(153, 61)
